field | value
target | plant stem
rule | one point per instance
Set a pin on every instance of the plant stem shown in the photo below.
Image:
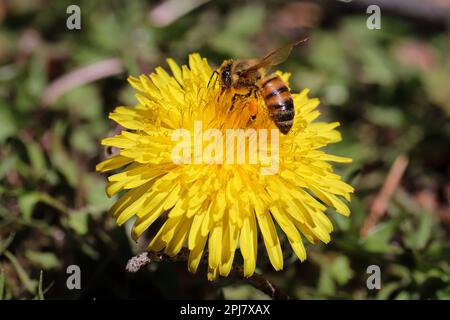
(257, 280)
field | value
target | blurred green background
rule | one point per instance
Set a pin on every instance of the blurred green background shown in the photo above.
(389, 88)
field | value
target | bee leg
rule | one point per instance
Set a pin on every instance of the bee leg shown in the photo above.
(253, 109)
(238, 95)
(215, 72)
(232, 102)
(253, 105)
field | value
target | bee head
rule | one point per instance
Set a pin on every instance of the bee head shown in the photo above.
(225, 74)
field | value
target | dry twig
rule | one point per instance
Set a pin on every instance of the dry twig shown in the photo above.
(76, 78)
(381, 201)
(256, 280)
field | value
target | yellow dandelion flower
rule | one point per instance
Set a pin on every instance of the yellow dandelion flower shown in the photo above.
(221, 206)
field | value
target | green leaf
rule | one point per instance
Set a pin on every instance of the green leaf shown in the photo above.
(82, 140)
(46, 260)
(4, 244)
(102, 32)
(402, 272)
(78, 221)
(27, 202)
(341, 222)
(37, 77)
(340, 270)
(243, 292)
(8, 126)
(2, 285)
(84, 101)
(95, 193)
(60, 157)
(403, 295)
(359, 212)
(7, 164)
(37, 158)
(336, 272)
(386, 290)
(385, 116)
(443, 294)
(377, 67)
(246, 20)
(326, 284)
(436, 88)
(378, 239)
(334, 65)
(420, 237)
(242, 23)
(40, 294)
(29, 284)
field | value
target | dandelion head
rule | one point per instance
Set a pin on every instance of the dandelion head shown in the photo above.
(208, 200)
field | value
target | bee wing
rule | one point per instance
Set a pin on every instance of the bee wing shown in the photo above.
(275, 57)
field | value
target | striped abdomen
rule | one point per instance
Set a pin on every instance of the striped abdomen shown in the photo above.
(279, 101)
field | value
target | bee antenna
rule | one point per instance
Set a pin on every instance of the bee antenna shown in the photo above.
(212, 75)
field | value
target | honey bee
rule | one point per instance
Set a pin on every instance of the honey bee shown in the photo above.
(247, 78)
